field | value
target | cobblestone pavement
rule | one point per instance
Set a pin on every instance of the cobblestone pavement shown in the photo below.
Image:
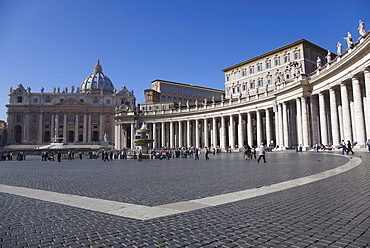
(334, 212)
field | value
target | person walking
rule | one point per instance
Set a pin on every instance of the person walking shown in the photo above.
(261, 153)
(349, 147)
(196, 154)
(59, 156)
(344, 147)
(206, 153)
(247, 152)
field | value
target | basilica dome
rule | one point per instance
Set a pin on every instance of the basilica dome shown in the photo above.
(97, 82)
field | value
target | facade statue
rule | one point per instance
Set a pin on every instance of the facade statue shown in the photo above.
(66, 89)
(58, 89)
(11, 89)
(54, 90)
(196, 102)
(361, 28)
(42, 89)
(28, 89)
(339, 48)
(187, 103)
(205, 101)
(213, 99)
(72, 89)
(349, 40)
(318, 63)
(328, 57)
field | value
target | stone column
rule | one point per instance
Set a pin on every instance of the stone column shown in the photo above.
(26, 127)
(223, 133)
(84, 132)
(101, 127)
(171, 135)
(345, 112)
(281, 126)
(249, 129)
(259, 127)
(240, 131)
(196, 133)
(299, 121)
(214, 131)
(231, 133)
(305, 130)
(163, 134)
(359, 113)
(334, 116)
(10, 120)
(367, 110)
(39, 139)
(277, 133)
(56, 134)
(65, 128)
(180, 135)
(205, 133)
(76, 127)
(188, 140)
(285, 125)
(89, 130)
(154, 133)
(132, 145)
(268, 127)
(315, 119)
(52, 127)
(323, 123)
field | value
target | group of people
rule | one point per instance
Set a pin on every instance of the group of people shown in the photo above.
(346, 147)
(250, 152)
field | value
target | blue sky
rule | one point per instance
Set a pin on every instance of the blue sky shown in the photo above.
(50, 43)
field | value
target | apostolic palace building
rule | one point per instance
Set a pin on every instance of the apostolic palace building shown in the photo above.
(298, 94)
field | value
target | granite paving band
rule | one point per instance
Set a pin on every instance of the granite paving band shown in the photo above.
(142, 212)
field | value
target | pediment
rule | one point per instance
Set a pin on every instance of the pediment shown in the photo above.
(70, 101)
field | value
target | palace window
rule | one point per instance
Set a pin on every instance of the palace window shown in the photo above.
(251, 70)
(277, 61)
(35, 100)
(19, 99)
(296, 55)
(96, 119)
(268, 64)
(259, 67)
(260, 82)
(47, 100)
(18, 118)
(251, 84)
(286, 58)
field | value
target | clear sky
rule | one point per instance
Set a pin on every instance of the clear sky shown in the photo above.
(51, 43)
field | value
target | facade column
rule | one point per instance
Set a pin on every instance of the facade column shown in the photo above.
(171, 135)
(268, 127)
(240, 131)
(52, 127)
(65, 128)
(56, 128)
(299, 122)
(285, 125)
(214, 131)
(259, 127)
(163, 134)
(277, 132)
(334, 117)
(154, 133)
(232, 133)
(249, 129)
(305, 130)
(359, 113)
(197, 133)
(315, 119)
(180, 135)
(367, 110)
(76, 127)
(11, 135)
(281, 126)
(188, 140)
(39, 138)
(101, 127)
(132, 135)
(205, 133)
(346, 112)
(85, 129)
(223, 133)
(323, 123)
(26, 127)
(89, 130)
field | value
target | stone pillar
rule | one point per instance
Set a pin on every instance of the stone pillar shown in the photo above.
(214, 131)
(52, 127)
(56, 134)
(163, 134)
(323, 122)
(39, 138)
(84, 132)
(205, 132)
(132, 145)
(171, 135)
(223, 133)
(76, 127)
(305, 130)
(315, 119)
(26, 127)
(268, 127)
(89, 130)
(359, 113)
(334, 116)
(188, 140)
(240, 131)
(281, 126)
(277, 133)
(259, 127)
(286, 125)
(154, 133)
(346, 112)
(231, 133)
(299, 121)
(10, 120)
(101, 127)
(65, 128)
(197, 133)
(180, 135)
(249, 129)
(367, 110)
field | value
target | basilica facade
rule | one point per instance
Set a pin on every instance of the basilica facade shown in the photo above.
(81, 115)
(298, 94)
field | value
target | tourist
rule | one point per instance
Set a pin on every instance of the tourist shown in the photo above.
(262, 152)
